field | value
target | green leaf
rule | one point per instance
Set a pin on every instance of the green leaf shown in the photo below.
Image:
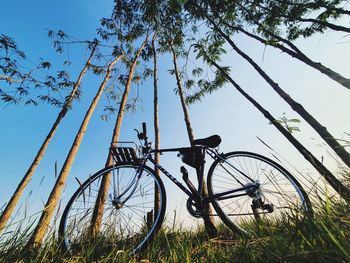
(45, 64)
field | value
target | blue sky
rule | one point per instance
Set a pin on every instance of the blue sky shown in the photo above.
(225, 112)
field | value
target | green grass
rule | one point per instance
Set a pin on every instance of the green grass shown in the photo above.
(323, 238)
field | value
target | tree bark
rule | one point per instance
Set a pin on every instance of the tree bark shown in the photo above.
(208, 221)
(342, 190)
(320, 129)
(296, 53)
(40, 154)
(322, 23)
(44, 222)
(103, 191)
(156, 122)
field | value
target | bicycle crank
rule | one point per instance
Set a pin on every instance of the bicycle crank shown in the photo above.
(194, 208)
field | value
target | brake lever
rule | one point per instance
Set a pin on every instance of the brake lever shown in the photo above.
(139, 135)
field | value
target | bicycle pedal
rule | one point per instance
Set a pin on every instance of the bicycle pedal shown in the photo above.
(187, 181)
(184, 172)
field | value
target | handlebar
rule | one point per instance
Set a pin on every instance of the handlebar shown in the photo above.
(142, 135)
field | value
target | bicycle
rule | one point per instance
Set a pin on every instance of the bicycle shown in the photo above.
(242, 186)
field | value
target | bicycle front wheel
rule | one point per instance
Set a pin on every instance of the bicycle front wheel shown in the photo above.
(246, 187)
(131, 218)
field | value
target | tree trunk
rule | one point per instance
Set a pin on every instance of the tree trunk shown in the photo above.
(28, 175)
(208, 221)
(342, 190)
(103, 191)
(44, 222)
(156, 122)
(323, 23)
(298, 54)
(320, 129)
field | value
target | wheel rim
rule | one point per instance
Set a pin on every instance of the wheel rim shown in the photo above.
(127, 226)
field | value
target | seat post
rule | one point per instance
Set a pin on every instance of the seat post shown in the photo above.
(200, 171)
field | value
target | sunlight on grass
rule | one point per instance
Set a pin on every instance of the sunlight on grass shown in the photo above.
(323, 237)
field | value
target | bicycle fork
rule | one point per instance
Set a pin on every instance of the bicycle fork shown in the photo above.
(116, 200)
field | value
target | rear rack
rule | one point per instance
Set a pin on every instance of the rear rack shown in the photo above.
(124, 154)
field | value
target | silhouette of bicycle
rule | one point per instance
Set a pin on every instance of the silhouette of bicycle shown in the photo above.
(242, 186)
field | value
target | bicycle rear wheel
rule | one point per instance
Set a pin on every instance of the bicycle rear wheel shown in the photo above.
(276, 195)
(130, 220)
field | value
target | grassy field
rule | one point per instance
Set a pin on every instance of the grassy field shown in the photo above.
(323, 238)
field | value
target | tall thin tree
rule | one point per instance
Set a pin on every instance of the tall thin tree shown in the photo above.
(278, 42)
(208, 221)
(44, 221)
(156, 120)
(40, 154)
(274, 38)
(102, 194)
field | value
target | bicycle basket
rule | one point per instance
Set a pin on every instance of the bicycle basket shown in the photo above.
(124, 154)
(192, 156)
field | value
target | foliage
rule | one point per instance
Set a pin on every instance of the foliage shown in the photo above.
(288, 123)
(294, 18)
(21, 82)
(274, 23)
(290, 19)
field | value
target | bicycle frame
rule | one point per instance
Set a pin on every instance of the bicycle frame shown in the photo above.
(199, 194)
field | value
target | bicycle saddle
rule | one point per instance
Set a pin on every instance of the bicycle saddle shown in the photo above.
(211, 141)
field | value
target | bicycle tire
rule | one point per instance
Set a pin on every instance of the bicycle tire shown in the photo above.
(124, 228)
(286, 196)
